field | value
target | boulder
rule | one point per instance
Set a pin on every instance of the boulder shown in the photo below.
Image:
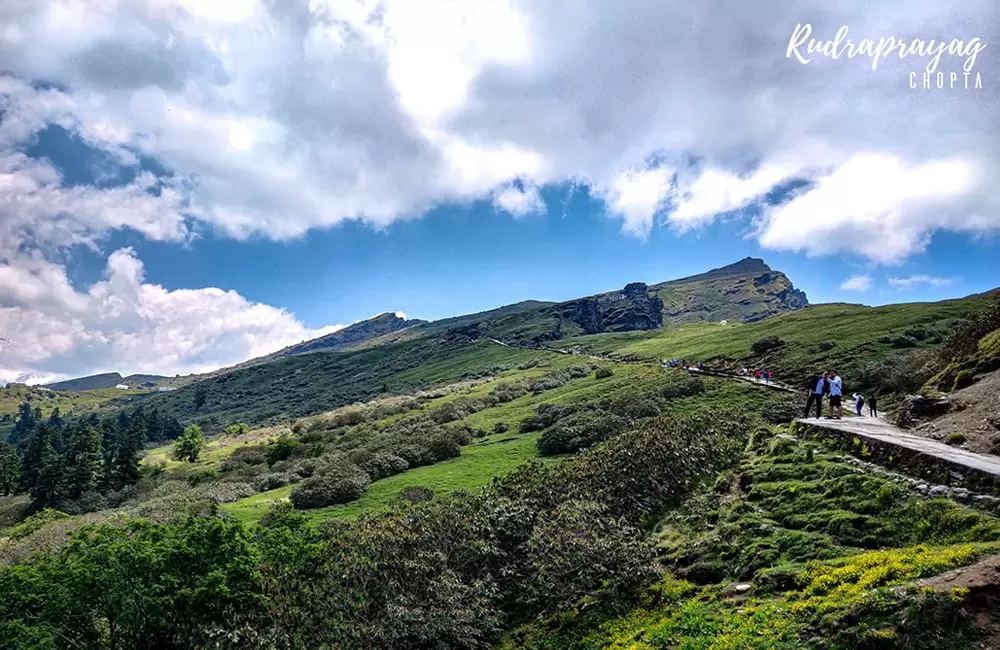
(916, 408)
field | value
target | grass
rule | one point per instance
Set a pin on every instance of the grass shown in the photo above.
(479, 463)
(827, 549)
(68, 403)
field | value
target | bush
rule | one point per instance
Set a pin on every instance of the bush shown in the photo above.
(416, 494)
(545, 416)
(905, 342)
(578, 371)
(280, 449)
(579, 431)
(603, 373)
(500, 427)
(766, 344)
(954, 439)
(826, 345)
(781, 410)
(273, 481)
(341, 484)
(382, 464)
(244, 456)
(207, 475)
(686, 387)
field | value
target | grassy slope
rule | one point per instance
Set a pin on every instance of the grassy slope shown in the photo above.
(816, 538)
(307, 384)
(498, 454)
(854, 329)
(69, 403)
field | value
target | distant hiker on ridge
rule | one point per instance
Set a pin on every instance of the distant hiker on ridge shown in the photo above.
(836, 394)
(817, 387)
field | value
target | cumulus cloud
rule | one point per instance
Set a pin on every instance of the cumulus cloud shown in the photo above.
(857, 283)
(273, 118)
(124, 324)
(636, 196)
(911, 281)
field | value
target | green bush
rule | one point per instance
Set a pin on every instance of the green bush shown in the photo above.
(905, 342)
(416, 494)
(603, 372)
(766, 344)
(340, 484)
(954, 439)
(280, 449)
(579, 431)
(500, 427)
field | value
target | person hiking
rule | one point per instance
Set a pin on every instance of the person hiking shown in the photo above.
(816, 388)
(836, 394)
(756, 376)
(768, 378)
(859, 402)
(873, 405)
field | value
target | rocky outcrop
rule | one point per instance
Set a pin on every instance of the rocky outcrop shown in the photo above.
(632, 308)
(917, 408)
(352, 335)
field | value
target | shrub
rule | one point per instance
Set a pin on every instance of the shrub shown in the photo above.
(545, 416)
(243, 456)
(509, 391)
(884, 339)
(916, 333)
(340, 484)
(500, 427)
(781, 410)
(280, 449)
(382, 464)
(766, 344)
(237, 429)
(206, 475)
(686, 387)
(274, 480)
(579, 431)
(416, 494)
(578, 371)
(603, 372)
(954, 439)
(826, 345)
(904, 342)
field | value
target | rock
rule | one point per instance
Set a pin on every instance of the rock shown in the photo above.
(938, 491)
(742, 587)
(918, 407)
(960, 493)
(922, 488)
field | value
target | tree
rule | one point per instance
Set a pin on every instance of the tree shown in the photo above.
(84, 462)
(10, 468)
(125, 467)
(190, 444)
(48, 486)
(200, 395)
(25, 424)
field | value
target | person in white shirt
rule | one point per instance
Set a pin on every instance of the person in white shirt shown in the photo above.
(836, 394)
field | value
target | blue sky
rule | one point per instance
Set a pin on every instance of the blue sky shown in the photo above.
(185, 185)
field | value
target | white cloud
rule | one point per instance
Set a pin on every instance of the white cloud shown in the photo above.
(636, 196)
(878, 205)
(124, 324)
(857, 283)
(911, 281)
(519, 201)
(275, 118)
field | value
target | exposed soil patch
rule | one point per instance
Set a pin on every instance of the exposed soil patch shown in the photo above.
(976, 416)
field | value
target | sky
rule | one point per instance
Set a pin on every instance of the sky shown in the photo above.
(185, 185)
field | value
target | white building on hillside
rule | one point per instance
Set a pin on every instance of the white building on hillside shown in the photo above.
(121, 387)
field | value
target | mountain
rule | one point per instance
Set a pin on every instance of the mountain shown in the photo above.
(106, 380)
(746, 291)
(360, 332)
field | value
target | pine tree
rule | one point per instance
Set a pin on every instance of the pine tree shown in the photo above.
(48, 487)
(84, 462)
(125, 469)
(25, 425)
(10, 468)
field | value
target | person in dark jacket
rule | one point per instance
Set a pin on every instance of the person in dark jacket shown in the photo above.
(817, 387)
(872, 405)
